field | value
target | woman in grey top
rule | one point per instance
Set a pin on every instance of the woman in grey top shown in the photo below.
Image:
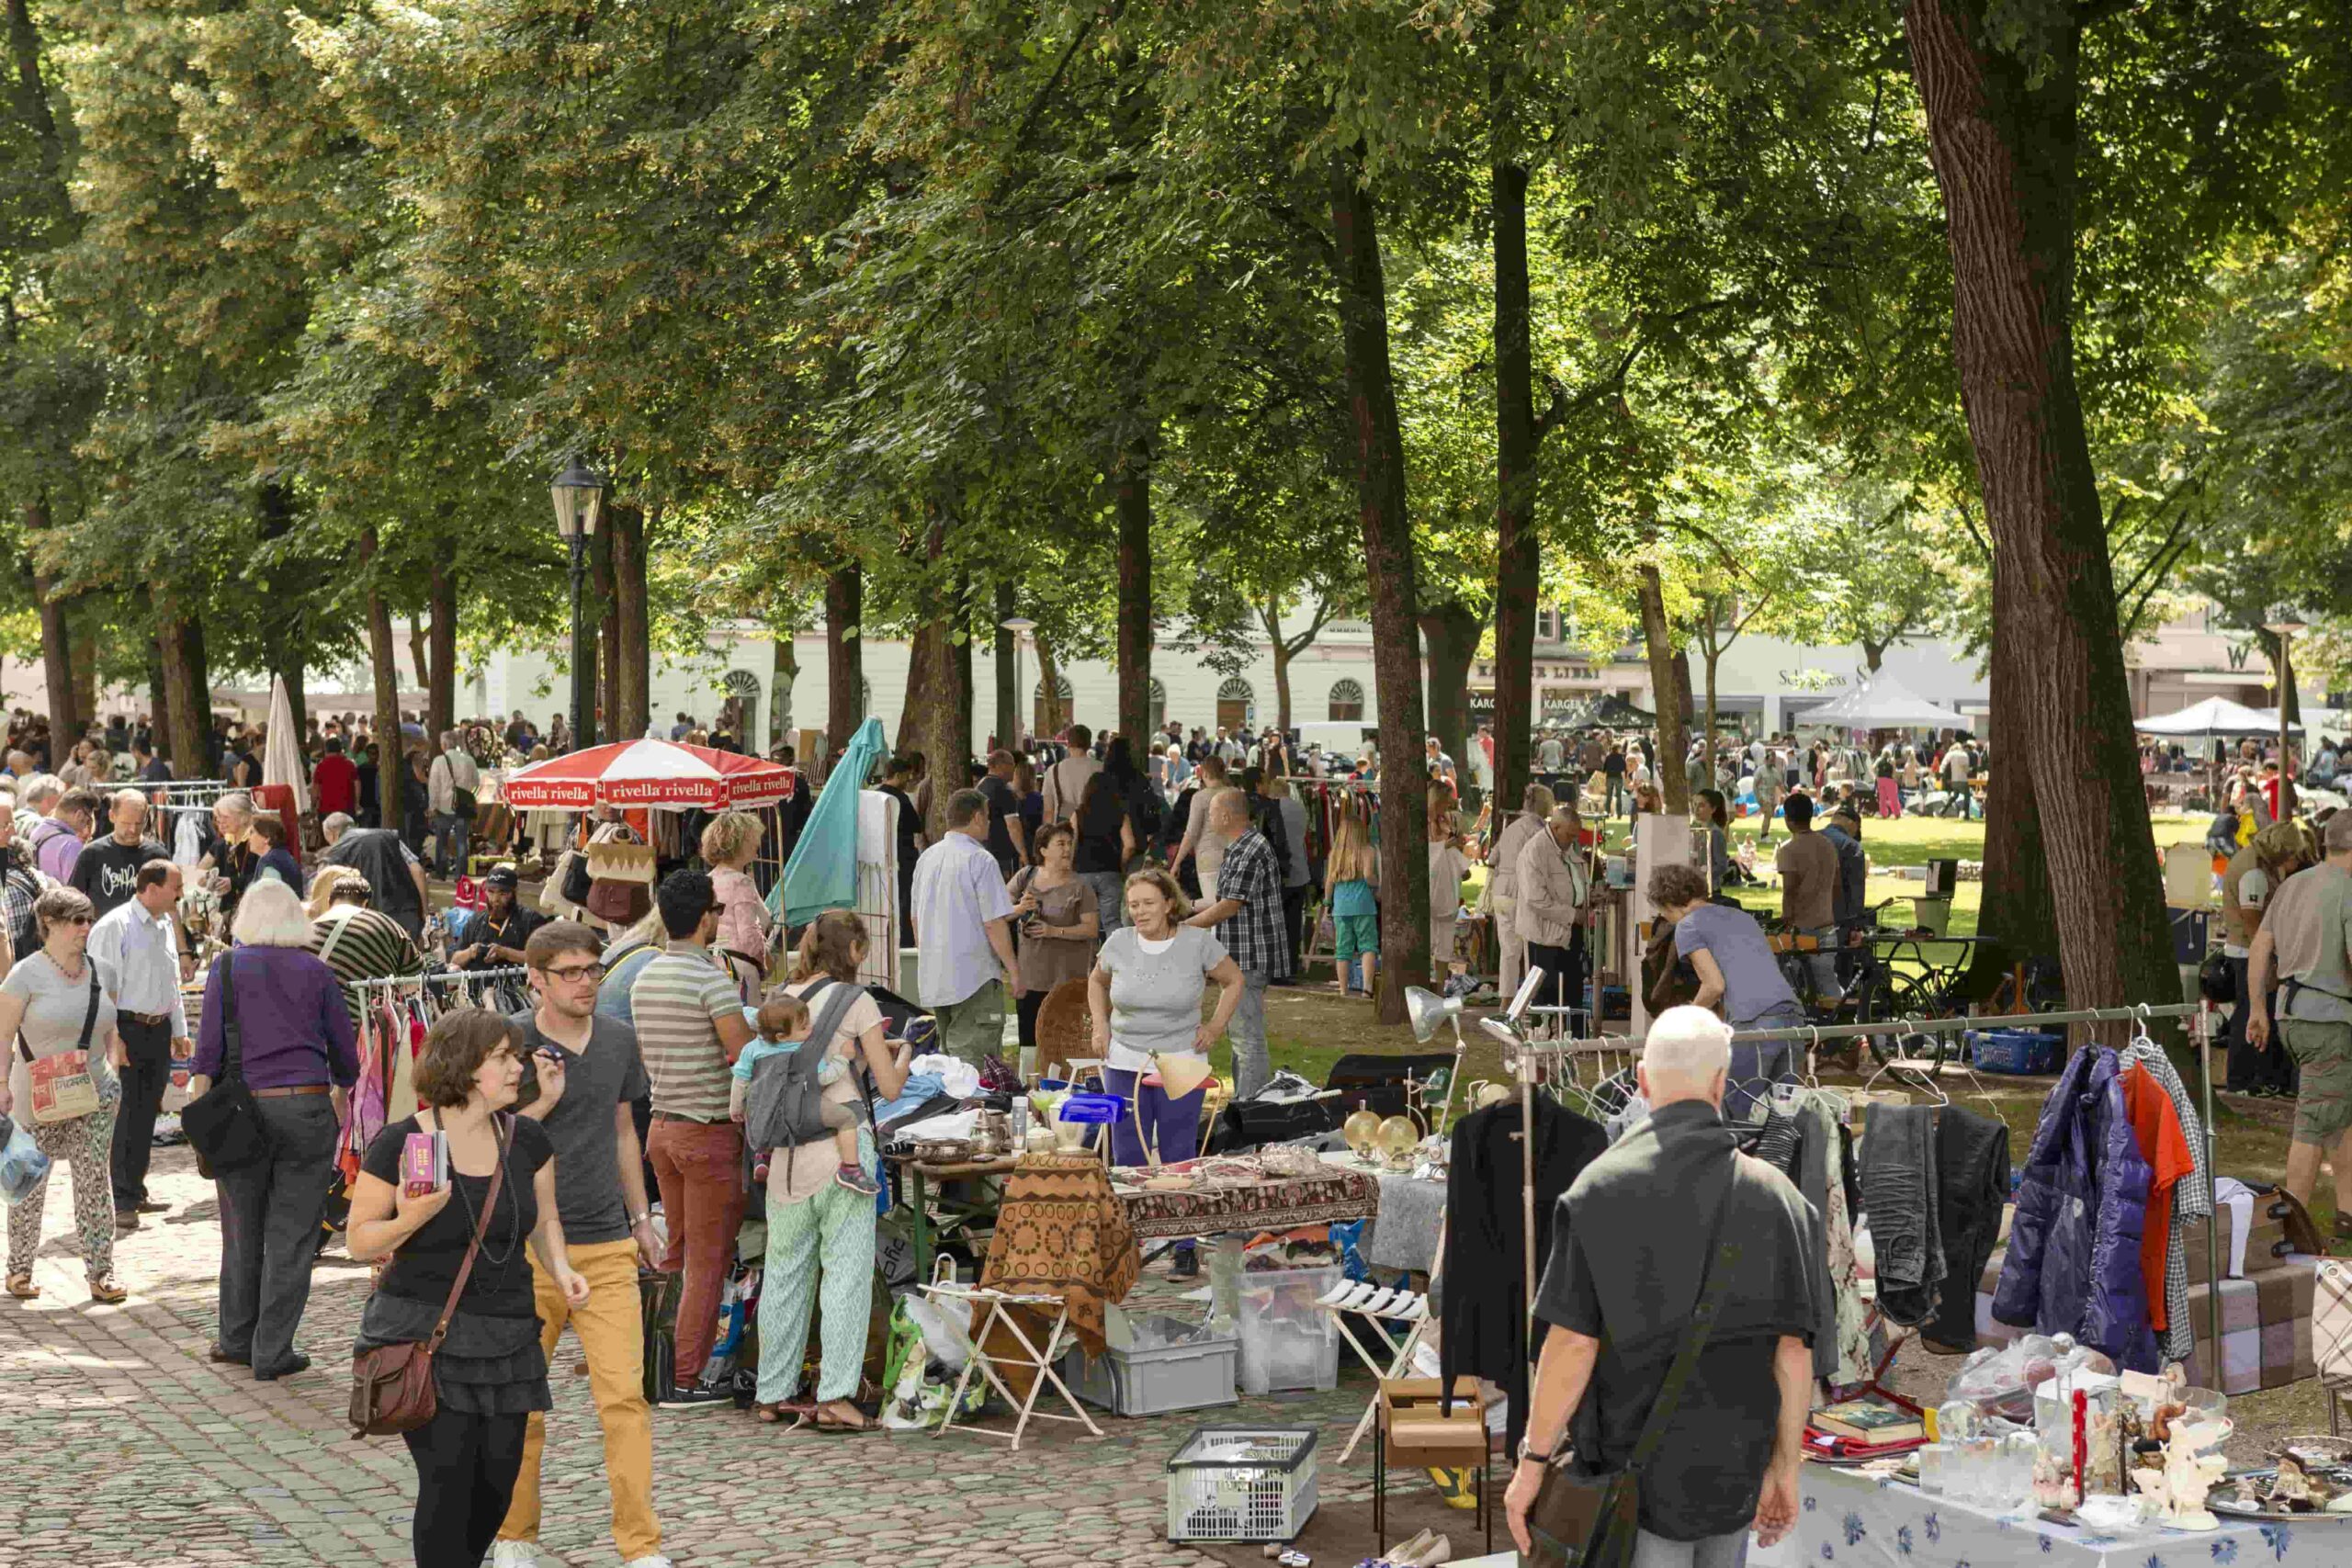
(57, 1003)
(1145, 994)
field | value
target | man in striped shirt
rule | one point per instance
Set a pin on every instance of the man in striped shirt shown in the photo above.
(690, 1027)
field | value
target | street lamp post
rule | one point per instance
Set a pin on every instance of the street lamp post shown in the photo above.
(1020, 627)
(579, 495)
(2283, 624)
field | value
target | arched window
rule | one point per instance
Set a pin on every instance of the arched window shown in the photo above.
(744, 688)
(1236, 704)
(1156, 705)
(1347, 701)
(1063, 714)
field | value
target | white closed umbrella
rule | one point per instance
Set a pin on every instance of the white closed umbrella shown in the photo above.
(281, 757)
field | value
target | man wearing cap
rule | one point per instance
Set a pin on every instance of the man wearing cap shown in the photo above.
(2306, 939)
(492, 936)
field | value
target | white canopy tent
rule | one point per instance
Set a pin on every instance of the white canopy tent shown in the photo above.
(1884, 703)
(2214, 718)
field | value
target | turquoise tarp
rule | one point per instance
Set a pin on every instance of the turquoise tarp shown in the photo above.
(822, 872)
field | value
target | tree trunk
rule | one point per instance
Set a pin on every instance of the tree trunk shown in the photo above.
(1049, 686)
(1279, 652)
(419, 653)
(2017, 907)
(937, 718)
(1379, 452)
(1872, 652)
(1669, 689)
(2289, 711)
(2002, 136)
(1450, 634)
(633, 663)
(296, 676)
(785, 675)
(384, 661)
(1518, 561)
(56, 643)
(159, 718)
(1713, 653)
(188, 747)
(441, 693)
(845, 656)
(1131, 492)
(1008, 670)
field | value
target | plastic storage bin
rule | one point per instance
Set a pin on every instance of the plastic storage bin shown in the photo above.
(2017, 1050)
(1155, 1379)
(1288, 1342)
(1242, 1484)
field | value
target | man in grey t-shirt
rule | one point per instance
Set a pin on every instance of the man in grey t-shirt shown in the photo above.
(589, 1072)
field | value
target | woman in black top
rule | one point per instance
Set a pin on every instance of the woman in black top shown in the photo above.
(490, 1373)
(897, 774)
(1106, 838)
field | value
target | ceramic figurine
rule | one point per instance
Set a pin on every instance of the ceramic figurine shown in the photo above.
(2189, 1475)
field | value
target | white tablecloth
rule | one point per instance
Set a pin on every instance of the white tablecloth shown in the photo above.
(1849, 1520)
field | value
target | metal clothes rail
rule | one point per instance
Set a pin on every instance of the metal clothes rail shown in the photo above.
(443, 977)
(1529, 1051)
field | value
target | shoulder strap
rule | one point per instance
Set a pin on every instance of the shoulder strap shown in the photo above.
(90, 1019)
(1713, 1283)
(232, 1041)
(482, 1229)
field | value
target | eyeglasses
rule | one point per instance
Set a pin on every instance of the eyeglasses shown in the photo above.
(572, 974)
(75, 920)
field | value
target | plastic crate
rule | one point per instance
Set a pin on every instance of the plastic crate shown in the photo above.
(1242, 1484)
(2016, 1051)
(1153, 1383)
(1287, 1341)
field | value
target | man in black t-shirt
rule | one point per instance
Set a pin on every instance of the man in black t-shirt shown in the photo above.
(108, 868)
(1008, 836)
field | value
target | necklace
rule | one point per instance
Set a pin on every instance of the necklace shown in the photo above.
(476, 1223)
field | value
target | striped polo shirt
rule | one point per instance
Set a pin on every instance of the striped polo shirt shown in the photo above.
(675, 1001)
(362, 945)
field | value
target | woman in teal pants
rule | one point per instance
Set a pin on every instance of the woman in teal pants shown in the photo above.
(821, 1233)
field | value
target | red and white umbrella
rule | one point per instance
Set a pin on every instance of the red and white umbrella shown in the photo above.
(648, 772)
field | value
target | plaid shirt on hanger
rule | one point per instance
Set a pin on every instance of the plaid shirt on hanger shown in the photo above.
(1255, 936)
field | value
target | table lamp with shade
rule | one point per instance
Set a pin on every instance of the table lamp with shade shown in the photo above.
(1426, 1009)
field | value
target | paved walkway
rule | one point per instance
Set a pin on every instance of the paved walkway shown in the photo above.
(125, 1446)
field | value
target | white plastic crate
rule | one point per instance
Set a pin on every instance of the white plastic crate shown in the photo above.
(1287, 1341)
(1242, 1484)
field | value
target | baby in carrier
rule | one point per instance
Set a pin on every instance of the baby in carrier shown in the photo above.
(780, 1025)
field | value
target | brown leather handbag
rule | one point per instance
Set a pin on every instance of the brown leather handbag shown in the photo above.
(1590, 1521)
(391, 1385)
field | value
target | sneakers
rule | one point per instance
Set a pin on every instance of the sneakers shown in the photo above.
(855, 1178)
(514, 1554)
(701, 1397)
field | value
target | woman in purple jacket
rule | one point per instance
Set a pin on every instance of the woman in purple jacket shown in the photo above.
(295, 1050)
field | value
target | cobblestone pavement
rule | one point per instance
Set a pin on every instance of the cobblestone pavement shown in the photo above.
(124, 1446)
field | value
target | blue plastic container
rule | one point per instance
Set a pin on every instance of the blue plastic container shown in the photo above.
(2032, 1052)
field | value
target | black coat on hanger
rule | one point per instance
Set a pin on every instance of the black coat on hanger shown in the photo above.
(1484, 1272)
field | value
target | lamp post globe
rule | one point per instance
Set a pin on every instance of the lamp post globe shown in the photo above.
(578, 492)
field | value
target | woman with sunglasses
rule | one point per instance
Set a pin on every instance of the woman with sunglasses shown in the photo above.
(57, 1003)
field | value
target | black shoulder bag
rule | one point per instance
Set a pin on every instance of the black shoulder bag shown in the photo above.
(223, 1124)
(1590, 1521)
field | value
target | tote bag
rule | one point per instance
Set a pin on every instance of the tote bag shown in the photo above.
(64, 1089)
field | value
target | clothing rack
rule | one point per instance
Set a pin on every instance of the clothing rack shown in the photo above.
(442, 978)
(1521, 1060)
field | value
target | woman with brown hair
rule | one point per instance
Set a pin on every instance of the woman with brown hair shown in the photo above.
(490, 1373)
(809, 1214)
(1058, 916)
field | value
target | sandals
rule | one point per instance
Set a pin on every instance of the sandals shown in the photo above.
(21, 1286)
(106, 1292)
(797, 1411)
(829, 1420)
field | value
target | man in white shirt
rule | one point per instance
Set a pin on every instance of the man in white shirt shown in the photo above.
(452, 771)
(963, 920)
(1956, 776)
(1549, 754)
(138, 945)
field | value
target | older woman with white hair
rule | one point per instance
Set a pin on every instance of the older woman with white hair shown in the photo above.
(275, 1007)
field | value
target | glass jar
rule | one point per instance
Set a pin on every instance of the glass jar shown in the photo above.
(1933, 1460)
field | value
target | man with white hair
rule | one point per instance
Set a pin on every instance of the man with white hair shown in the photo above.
(36, 799)
(1683, 1295)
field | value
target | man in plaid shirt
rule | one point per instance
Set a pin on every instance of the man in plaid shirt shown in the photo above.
(1248, 911)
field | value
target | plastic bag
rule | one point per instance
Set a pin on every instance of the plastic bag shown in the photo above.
(2000, 1382)
(22, 1165)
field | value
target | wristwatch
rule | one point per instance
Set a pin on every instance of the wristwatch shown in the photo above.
(636, 1220)
(1527, 1455)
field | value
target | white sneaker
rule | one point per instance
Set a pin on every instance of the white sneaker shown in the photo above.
(514, 1554)
(1415, 1309)
(1377, 1305)
(1337, 1293)
(652, 1560)
(1355, 1298)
